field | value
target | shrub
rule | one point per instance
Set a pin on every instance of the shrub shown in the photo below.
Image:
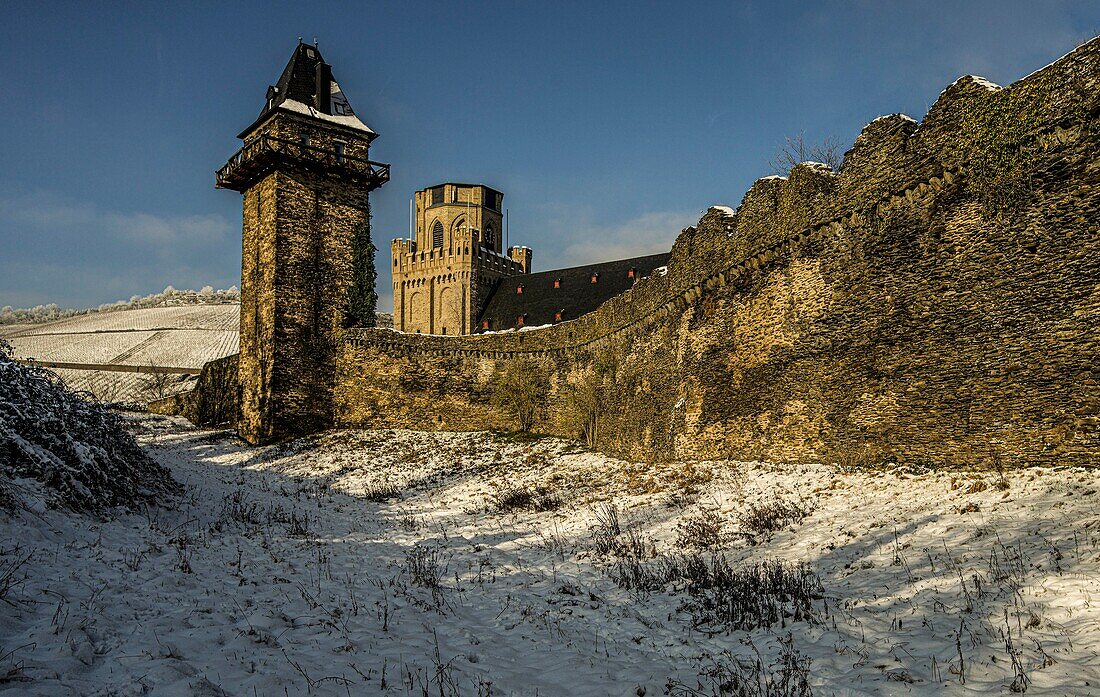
(789, 676)
(535, 498)
(589, 396)
(425, 566)
(700, 531)
(764, 519)
(721, 595)
(380, 492)
(606, 530)
(520, 389)
(77, 448)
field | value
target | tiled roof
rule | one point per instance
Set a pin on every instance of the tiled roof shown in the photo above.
(575, 294)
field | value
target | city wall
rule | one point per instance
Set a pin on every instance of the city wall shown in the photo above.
(935, 302)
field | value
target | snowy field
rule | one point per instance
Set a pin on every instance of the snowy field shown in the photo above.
(176, 337)
(210, 317)
(402, 563)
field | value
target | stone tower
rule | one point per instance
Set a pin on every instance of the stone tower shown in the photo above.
(444, 275)
(305, 177)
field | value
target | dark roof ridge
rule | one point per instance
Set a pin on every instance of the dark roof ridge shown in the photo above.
(599, 263)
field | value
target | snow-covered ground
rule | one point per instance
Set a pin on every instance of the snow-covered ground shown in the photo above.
(379, 563)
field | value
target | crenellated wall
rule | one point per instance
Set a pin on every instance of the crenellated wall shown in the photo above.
(937, 301)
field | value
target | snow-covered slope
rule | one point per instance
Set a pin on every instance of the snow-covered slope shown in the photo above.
(74, 452)
(381, 563)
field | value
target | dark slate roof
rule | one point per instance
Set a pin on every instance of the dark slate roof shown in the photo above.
(577, 295)
(297, 88)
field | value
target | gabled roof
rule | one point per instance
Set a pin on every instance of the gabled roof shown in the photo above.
(575, 295)
(302, 89)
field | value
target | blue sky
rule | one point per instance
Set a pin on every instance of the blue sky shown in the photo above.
(609, 126)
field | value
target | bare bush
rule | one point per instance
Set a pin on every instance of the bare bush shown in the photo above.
(605, 532)
(795, 150)
(764, 519)
(11, 561)
(589, 396)
(380, 492)
(537, 498)
(729, 676)
(521, 389)
(157, 384)
(723, 596)
(425, 567)
(703, 530)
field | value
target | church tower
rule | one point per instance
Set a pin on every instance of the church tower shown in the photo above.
(305, 177)
(444, 275)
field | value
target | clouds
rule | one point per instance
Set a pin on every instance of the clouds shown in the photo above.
(584, 241)
(77, 254)
(145, 228)
(49, 213)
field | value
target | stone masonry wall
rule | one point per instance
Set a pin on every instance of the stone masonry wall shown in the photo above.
(296, 271)
(937, 301)
(212, 402)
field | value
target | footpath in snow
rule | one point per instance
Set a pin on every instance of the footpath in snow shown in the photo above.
(404, 563)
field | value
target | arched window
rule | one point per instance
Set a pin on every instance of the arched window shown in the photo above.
(490, 237)
(437, 235)
(459, 228)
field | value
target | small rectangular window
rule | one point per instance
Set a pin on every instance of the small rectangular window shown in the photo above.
(339, 152)
(304, 139)
(437, 195)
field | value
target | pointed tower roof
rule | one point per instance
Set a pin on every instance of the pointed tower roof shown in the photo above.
(307, 88)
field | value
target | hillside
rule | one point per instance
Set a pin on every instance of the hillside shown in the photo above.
(404, 563)
(111, 353)
(101, 352)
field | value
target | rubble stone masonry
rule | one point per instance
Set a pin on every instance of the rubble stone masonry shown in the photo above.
(935, 302)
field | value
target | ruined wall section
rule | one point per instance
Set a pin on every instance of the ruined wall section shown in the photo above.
(937, 301)
(212, 402)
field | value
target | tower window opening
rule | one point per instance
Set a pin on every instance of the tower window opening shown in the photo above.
(437, 195)
(437, 234)
(339, 147)
(304, 140)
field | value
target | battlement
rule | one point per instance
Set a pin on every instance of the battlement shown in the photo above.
(890, 311)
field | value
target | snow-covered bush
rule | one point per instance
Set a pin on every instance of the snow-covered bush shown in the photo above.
(77, 449)
(168, 297)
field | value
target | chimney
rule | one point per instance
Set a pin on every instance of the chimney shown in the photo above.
(322, 97)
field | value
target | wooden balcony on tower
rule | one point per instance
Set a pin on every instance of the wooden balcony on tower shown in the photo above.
(263, 155)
